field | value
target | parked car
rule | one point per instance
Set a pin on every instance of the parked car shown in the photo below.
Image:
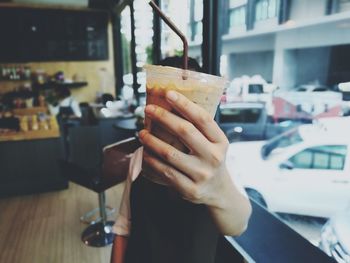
(304, 171)
(243, 121)
(247, 121)
(335, 237)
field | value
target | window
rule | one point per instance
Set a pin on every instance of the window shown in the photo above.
(255, 88)
(337, 162)
(236, 3)
(198, 29)
(126, 42)
(187, 15)
(302, 160)
(344, 5)
(143, 22)
(288, 45)
(322, 157)
(197, 21)
(143, 35)
(198, 10)
(321, 160)
(265, 9)
(237, 16)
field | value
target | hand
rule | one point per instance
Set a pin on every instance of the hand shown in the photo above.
(200, 176)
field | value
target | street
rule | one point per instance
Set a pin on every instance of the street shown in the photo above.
(309, 227)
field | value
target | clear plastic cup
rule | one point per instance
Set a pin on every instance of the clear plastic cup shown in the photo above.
(203, 89)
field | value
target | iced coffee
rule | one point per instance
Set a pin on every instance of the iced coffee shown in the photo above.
(203, 89)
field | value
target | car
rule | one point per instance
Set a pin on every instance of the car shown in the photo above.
(247, 121)
(243, 120)
(335, 237)
(304, 171)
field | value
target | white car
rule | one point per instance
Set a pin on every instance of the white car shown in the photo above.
(304, 171)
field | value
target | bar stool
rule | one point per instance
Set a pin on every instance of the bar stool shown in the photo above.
(84, 148)
(97, 173)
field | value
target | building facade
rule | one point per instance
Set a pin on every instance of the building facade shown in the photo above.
(287, 42)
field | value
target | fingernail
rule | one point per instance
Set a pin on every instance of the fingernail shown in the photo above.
(142, 134)
(172, 96)
(150, 109)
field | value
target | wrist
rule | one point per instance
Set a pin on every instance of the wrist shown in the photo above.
(222, 197)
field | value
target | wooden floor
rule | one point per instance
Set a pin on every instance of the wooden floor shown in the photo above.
(45, 228)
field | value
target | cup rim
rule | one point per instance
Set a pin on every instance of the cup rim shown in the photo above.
(169, 71)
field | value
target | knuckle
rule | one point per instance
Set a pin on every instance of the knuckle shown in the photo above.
(185, 103)
(203, 174)
(169, 155)
(217, 158)
(195, 193)
(169, 172)
(191, 195)
(186, 129)
(205, 119)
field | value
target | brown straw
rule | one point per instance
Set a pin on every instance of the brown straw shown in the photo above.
(175, 29)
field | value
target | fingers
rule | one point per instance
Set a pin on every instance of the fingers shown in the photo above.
(183, 129)
(182, 184)
(196, 115)
(153, 175)
(185, 163)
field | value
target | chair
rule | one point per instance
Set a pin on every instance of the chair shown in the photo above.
(97, 170)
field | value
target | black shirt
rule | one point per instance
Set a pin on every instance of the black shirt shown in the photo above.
(168, 229)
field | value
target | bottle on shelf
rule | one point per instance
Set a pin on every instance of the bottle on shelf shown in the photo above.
(43, 125)
(53, 123)
(35, 124)
(17, 72)
(41, 101)
(23, 123)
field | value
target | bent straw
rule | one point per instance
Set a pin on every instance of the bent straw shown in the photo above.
(175, 29)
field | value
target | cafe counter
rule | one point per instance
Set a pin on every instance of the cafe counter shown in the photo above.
(30, 166)
(29, 161)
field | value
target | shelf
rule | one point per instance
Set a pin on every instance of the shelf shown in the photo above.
(29, 135)
(53, 85)
(30, 111)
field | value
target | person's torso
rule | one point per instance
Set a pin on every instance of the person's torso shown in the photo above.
(65, 108)
(168, 229)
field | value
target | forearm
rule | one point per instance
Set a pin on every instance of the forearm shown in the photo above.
(118, 249)
(231, 210)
